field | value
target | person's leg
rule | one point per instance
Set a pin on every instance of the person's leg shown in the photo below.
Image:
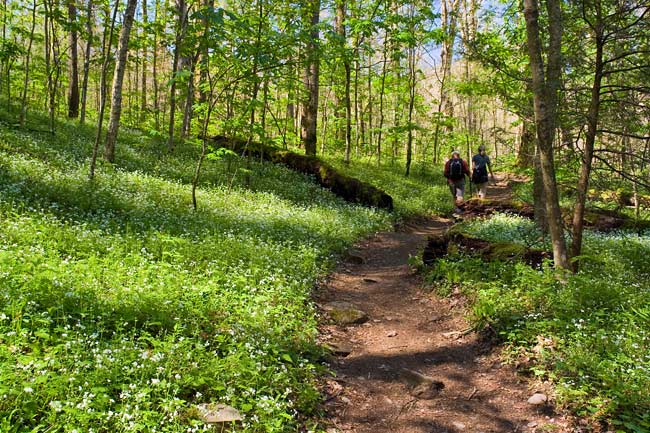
(482, 190)
(460, 193)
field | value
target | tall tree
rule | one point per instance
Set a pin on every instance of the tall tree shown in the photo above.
(118, 79)
(87, 54)
(609, 23)
(145, 45)
(181, 27)
(341, 19)
(449, 19)
(545, 86)
(309, 120)
(73, 80)
(28, 55)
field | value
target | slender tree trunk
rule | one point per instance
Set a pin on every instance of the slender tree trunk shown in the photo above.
(145, 35)
(106, 48)
(156, 96)
(545, 88)
(590, 139)
(48, 51)
(73, 87)
(341, 17)
(527, 144)
(309, 121)
(118, 78)
(84, 85)
(382, 94)
(411, 83)
(181, 7)
(539, 195)
(23, 105)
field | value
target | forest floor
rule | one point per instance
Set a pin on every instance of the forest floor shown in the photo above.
(413, 337)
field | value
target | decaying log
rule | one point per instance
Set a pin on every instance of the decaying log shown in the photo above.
(349, 188)
(456, 242)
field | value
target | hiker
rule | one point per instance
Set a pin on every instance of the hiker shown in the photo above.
(480, 166)
(455, 170)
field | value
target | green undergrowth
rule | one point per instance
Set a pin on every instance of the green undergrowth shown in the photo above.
(588, 333)
(121, 308)
(423, 193)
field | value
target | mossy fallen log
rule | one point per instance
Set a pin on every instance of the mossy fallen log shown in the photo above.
(349, 188)
(455, 242)
(489, 206)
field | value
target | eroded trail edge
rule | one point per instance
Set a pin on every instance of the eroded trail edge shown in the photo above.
(412, 365)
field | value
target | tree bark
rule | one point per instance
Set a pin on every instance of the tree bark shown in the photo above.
(341, 16)
(23, 105)
(73, 87)
(545, 89)
(107, 37)
(118, 79)
(449, 10)
(145, 35)
(590, 138)
(87, 51)
(154, 71)
(309, 120)
(181, 7)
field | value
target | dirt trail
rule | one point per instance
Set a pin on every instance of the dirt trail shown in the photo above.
(413, 329)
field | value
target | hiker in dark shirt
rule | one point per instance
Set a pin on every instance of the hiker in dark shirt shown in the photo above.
(480, 166)
(455, 171)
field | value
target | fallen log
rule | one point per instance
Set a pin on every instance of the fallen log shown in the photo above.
(456, 242)
(349, 188)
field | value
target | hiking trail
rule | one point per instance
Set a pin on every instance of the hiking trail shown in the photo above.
(412, 341)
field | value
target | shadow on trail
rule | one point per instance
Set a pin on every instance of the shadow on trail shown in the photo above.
(457, 358)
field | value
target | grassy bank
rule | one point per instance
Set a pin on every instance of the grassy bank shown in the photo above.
(589, 333)
(122, 308)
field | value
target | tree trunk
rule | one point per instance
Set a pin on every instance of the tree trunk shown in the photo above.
(590, 139)
(23, 105)
(145, 35)
(189, 102)
(539, 195)
(84, 85)
(309, 120)
(118, 78)
(382, 94)
(107, 37)
(154, 72)
(411, 83)
(545, 88)
(181, 7)
(73, 87)
(527, 144)
(341, 17)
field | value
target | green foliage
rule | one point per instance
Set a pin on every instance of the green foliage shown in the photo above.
(424, 192)
(122, 308)
(589, 332)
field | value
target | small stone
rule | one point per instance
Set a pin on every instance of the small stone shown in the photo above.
(218, 413)
(538, 399)
(420, 386)
(339, 347)
(392, 333)
(354, 258)
(345, 313)
(458, 425)
(346, 400)
(532, 424)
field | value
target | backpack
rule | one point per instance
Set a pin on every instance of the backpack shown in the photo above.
(456, 168)
(480, 174)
